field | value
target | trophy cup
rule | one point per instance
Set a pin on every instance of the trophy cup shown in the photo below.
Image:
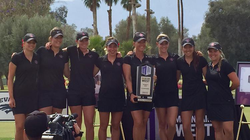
(144, 83)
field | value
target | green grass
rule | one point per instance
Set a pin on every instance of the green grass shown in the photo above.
(5, 88)
(7, 129)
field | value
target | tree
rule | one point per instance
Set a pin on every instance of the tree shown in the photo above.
(92, 5)
(14, 28)
(203, 39)
(29, 7)
(88, 30)
(110, 3)
(126, 5)
(97, 44)
(5, 43)
(69, 32)
(228, 21)
(120, 30)
(166, 27)
(61, 14)
(125, 47)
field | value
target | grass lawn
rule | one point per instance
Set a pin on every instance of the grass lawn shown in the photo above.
(5, 88)
(7, 129)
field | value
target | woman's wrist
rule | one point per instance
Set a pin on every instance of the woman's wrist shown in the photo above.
(79, 134)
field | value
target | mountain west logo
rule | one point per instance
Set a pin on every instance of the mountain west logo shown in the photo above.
(146, 70)
(4, 106)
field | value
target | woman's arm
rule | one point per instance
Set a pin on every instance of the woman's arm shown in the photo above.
(235, 80)
(96, 70)
(12, 70)
(66, 71)
(127, 76)
(204, 72)
(178, 75)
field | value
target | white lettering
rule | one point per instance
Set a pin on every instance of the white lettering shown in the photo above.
(193, 119)
(179, 130)
(178, 119)
(208, 126)
(4, 99)
(193, 129)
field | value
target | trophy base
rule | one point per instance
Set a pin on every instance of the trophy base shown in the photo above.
(144, 100)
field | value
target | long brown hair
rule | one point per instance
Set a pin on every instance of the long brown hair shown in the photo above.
(196, 59)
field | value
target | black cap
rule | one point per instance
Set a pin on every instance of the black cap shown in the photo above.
(82, 35)
(187, 41)
(109, 42)
(55, 33)
(35, 124)
(139, 36)
(214, 45)
(28, 37)
(162, 39)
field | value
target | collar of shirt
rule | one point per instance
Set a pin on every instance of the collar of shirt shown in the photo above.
(59, 52)
(158, 55)
(213, 67)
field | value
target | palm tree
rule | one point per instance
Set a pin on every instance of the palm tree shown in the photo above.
(110, 3)
(126, 5)
(93, 5)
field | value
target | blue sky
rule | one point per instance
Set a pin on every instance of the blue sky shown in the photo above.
(78, 14)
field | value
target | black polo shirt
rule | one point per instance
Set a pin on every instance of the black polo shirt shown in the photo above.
(192, 78)
(166, 71)
(81, 69)
(51, 69)
(133, 61)
(112, 86)
(218, 82)
(25, 84)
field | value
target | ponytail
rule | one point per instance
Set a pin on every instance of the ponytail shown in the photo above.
(221, 58)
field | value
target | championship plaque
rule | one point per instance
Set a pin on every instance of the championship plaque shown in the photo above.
(144, 83)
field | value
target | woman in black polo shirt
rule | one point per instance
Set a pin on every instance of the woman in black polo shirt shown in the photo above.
(81, 95)
(166, 98)
(220, 101)
(140, 110)
(53, 65)
(111, 96)
(23, 94)
(192, 68)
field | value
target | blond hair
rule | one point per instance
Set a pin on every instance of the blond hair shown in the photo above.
(162, 35)
(55, 28)
(109, 38)
(222, 56)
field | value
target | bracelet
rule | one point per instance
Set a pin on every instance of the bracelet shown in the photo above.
(77, 135)
(130, 93)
